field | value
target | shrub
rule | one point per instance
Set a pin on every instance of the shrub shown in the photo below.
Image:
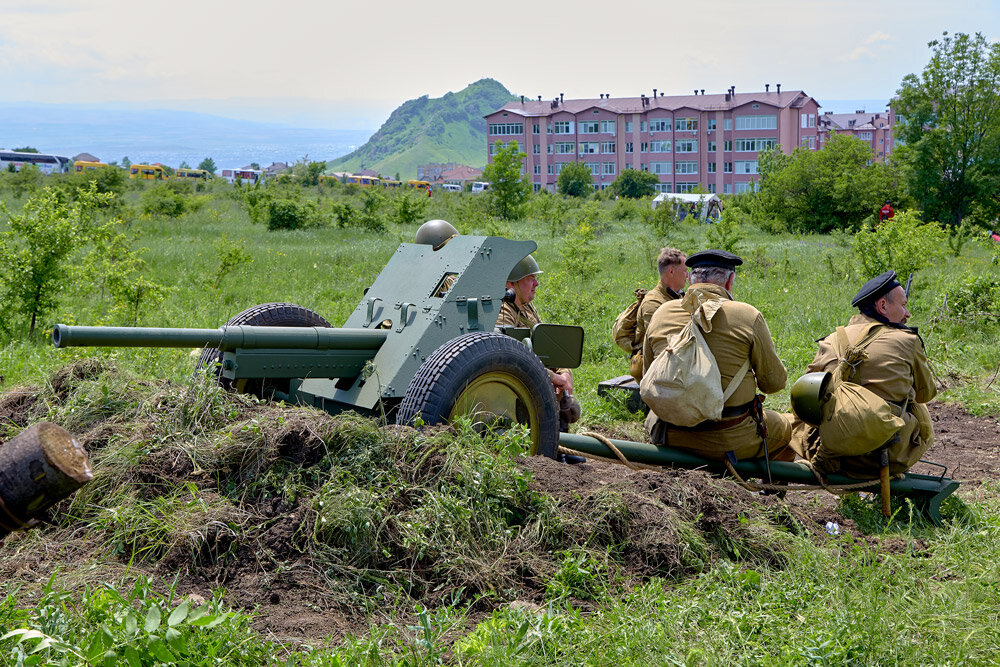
(726, 234)
(661, 219)
(408, 208)
(286, 214)
(163, 200)
(904, 243)
(975, 295)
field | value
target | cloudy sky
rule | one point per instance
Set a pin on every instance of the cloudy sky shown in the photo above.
(339, 62)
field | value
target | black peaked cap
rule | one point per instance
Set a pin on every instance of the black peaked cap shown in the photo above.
(718, 258)
(876, 288)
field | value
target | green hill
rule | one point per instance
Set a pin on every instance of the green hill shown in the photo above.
(445, 129)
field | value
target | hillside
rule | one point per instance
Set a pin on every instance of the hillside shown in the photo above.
(445, 129)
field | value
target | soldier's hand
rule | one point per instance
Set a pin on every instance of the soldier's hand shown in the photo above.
(563, 382)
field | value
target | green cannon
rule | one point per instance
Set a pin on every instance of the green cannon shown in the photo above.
(421, 341)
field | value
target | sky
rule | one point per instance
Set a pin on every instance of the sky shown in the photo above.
(336, 64)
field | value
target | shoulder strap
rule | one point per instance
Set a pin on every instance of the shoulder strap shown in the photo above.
(850, 356)
(735, 382)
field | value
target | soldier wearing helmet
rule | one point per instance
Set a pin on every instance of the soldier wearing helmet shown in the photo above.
(517, 311)
(896, 370)
(437, 233)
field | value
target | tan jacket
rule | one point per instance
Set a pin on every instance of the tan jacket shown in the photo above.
(737, 332)
(512, 316)
(896, 370)
(654, 298)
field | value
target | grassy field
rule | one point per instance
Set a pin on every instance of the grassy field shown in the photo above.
(896, 592)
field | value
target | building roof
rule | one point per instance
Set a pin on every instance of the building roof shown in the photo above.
(85, 157)
(461, 173)
(622, 105)
(852, 121)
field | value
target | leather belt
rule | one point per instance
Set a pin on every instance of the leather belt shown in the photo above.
(713, 425)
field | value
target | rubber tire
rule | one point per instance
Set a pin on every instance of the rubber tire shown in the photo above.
(263, 315)
(453, 367)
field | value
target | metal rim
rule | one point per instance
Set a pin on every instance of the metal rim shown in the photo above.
(495, 399)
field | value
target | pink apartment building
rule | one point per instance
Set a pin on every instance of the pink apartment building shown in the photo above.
(686, 140)
(874, 129)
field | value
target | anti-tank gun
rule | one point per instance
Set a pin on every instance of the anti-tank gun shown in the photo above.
(420, 343)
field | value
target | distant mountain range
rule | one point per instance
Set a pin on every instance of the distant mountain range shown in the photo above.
(450, 128)
(165, 136)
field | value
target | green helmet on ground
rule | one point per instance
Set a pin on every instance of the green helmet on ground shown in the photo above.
(526, 267)
(435, 233)
(809, 394)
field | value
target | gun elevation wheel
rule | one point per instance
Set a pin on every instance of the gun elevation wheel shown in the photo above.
(491, 378)
(263, 315)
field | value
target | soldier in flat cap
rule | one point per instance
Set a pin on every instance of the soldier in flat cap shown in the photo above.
(896, 370)
(735, 332)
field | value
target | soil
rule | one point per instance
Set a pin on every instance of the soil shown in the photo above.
(294, 600)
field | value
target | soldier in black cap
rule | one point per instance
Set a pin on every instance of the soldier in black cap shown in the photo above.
(735, 332)
(895, 369)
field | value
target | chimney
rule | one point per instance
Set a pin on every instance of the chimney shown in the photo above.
(522, 99)
(654, 92)
(539, 98)
(702, 91)
(767, 87)
(778, 86)
(727, 95)
(695, 91)
(560, 98)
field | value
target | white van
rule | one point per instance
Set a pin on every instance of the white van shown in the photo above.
(451, 187)
(480, 186)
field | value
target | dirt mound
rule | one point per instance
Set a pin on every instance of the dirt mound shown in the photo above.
(968, 445)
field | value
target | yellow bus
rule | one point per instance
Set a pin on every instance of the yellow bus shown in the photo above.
(363, 181)
(147, 172)
(192, 173)
(386, 183)
(419, 185)
(83, 165)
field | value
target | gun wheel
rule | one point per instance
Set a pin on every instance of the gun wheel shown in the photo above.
(263, 315)
(492, 379)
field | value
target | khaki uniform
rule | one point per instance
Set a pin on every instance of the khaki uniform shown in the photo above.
(654, 298)
(526, 317)
(897, 371)
(737, 332)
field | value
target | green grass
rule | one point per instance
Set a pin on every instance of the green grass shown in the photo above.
(758, 594)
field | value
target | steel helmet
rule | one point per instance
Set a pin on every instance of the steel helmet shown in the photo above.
(435, 233)
(526, 267)
(809, 394)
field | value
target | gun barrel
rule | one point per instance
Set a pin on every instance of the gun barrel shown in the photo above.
(224, 338)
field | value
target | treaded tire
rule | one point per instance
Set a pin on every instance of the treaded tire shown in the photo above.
(484, 365)
(278, 314)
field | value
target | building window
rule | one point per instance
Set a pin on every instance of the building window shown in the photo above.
(754, 145)
(607, 127)
(659, 146)
(589, 127)
(558, 167)
(628, 147)
(711, 167)
(727, 123)
(537, 186)
(727, 167)
(745, 187)
(686, 187)
(588, 147)
(548, 149)
(755, 106)
(727, 145)
(536, 149)
(687, 146)
(496, 146)
(506, 128)
(563, 127)
(663, 187)
(686, 167)
(644, 147)
(727, 188)
(746, 166)
(538, 169)
(550, 169)
(628, 126)
(812, 143)
(756, 122)
(659, 125)
(608, 168)
(594, 167)
(812, 120)
(660, 167)
(710, 124)
(711, 188)
(536, 129)
(686, 124)
(711, 147)
(565, 147)
(642, 126)
(607, 147)
(865, 136)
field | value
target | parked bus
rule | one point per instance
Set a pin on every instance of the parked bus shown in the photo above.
(47, 164)
(451, 187)
(147, 172)
(83, 165)
(480, 186)
(419, 185)
(390, 184)
(192, 173)
(363, 181)
(247, 176)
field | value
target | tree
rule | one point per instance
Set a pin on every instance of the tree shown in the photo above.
(208, 164)
(184, 165)
(833, 188)
(509, 190)
(633, 184)
(25, 149)
(126, 163)
(575, 180)
(948, 120)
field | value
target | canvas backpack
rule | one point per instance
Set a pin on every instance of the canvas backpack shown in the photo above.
(683, 385)
(623, 330)
(855, 420)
